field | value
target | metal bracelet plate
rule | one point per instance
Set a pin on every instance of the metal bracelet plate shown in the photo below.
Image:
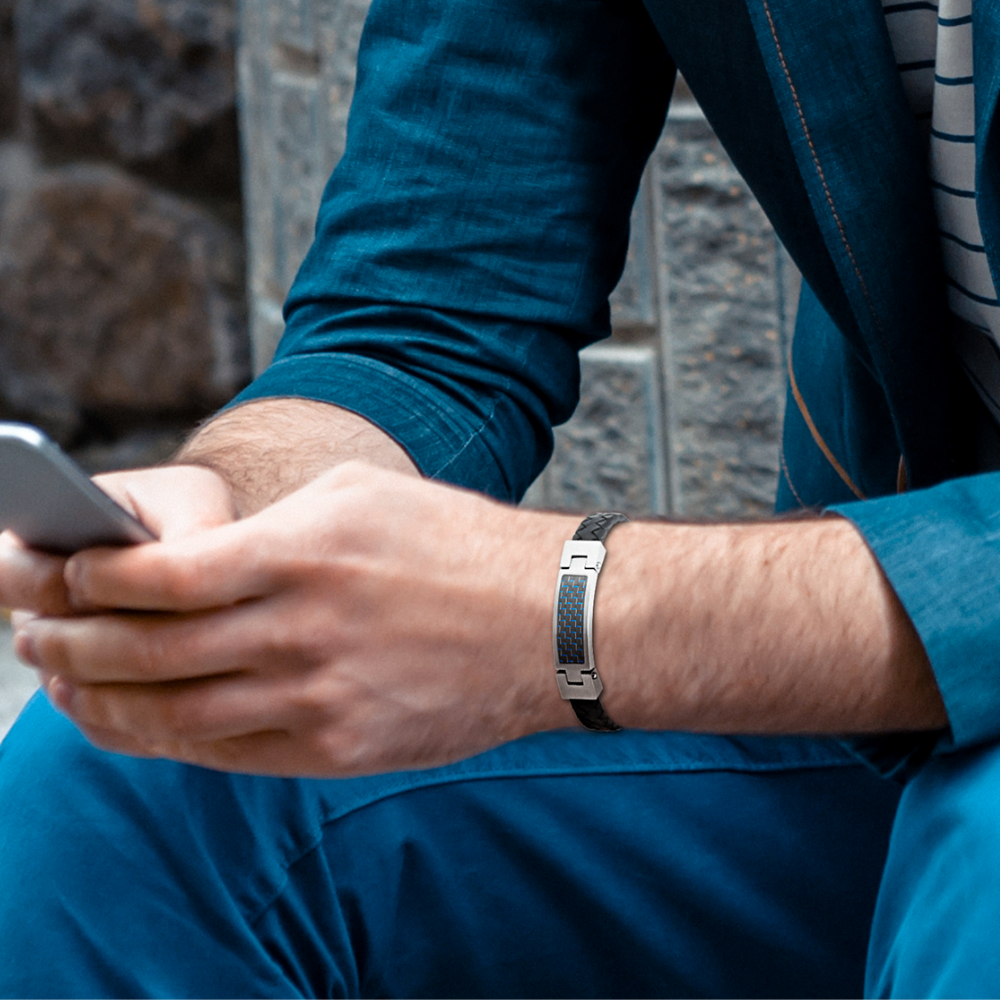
(579, 681)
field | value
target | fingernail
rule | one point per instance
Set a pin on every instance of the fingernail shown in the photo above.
(24, 647)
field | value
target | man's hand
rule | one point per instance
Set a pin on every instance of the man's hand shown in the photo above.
(172, 502)
(368, 621)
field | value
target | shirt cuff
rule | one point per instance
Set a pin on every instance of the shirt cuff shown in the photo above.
(443, 438)
(940, 550)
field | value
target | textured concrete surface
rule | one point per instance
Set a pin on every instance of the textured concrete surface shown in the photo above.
(727, 319)
(17, 683)
(611, 455)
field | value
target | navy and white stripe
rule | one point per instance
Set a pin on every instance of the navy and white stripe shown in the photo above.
(913, 26)
(933, 46)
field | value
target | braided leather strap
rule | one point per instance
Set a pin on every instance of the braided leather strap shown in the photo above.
(596, 527)
(590, 711)
(592, 716)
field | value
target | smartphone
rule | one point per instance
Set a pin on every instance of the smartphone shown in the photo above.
(50, 503)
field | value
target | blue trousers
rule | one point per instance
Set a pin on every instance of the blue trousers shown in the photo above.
(567, 864)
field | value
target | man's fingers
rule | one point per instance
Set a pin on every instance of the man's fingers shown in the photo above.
(211, 570)
(113, 742)
(276, 752)
(173, 501)
(234, 561)
(163, 718)
(150, 648)
(31, 580)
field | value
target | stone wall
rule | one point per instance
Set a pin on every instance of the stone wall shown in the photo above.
(122, 288)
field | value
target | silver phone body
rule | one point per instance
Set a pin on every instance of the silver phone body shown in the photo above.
(50, 503)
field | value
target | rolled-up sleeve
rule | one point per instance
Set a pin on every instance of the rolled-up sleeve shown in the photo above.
(940, 550)
(469, 239)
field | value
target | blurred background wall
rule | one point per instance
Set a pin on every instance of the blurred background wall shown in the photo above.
(122, 288)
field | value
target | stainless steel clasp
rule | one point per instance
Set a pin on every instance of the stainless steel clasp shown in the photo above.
(592, 554)
(579, 680)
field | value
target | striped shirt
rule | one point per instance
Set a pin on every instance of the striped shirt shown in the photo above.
(932, 40)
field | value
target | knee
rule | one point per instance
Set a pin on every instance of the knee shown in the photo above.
(70, 807)
(49, 772)
(143, 877)
(939, 904)
(951, 811)
(62, 796)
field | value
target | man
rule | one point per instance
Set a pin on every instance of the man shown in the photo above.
(309, 618)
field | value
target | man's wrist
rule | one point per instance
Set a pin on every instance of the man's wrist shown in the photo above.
(573, 620)
(268, 448)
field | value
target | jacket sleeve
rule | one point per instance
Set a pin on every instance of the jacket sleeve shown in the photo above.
(468, 240)
(940, 549)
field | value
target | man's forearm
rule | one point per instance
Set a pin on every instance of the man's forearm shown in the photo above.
(269, 448)
(779, 627)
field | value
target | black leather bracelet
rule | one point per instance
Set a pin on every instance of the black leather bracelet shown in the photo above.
(573, 621)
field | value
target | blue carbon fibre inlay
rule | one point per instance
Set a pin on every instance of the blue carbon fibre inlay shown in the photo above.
(569, 620)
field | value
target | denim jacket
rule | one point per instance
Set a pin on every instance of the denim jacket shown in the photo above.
(469, 239)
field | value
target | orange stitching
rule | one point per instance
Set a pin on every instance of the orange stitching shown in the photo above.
(788, 475)
(822, 178)
(814, 431)
(902, 481)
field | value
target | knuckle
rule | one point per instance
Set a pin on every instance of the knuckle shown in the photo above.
(300, 633)
(150, 654)
(92, 710)
(313, 699)
(33, 582)
(340, 751)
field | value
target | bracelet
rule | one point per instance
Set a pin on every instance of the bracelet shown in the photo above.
(573, 621)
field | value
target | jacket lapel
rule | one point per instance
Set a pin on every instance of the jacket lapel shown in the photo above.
(862, 160)
(986, 43)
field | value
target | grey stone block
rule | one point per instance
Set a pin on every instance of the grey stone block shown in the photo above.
(610, 456)
(297, 72)
(293, 24)
(635, 308)
(267, 324)
(298, 173)
(725, 326)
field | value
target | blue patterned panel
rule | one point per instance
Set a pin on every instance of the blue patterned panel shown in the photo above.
(569, 627)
